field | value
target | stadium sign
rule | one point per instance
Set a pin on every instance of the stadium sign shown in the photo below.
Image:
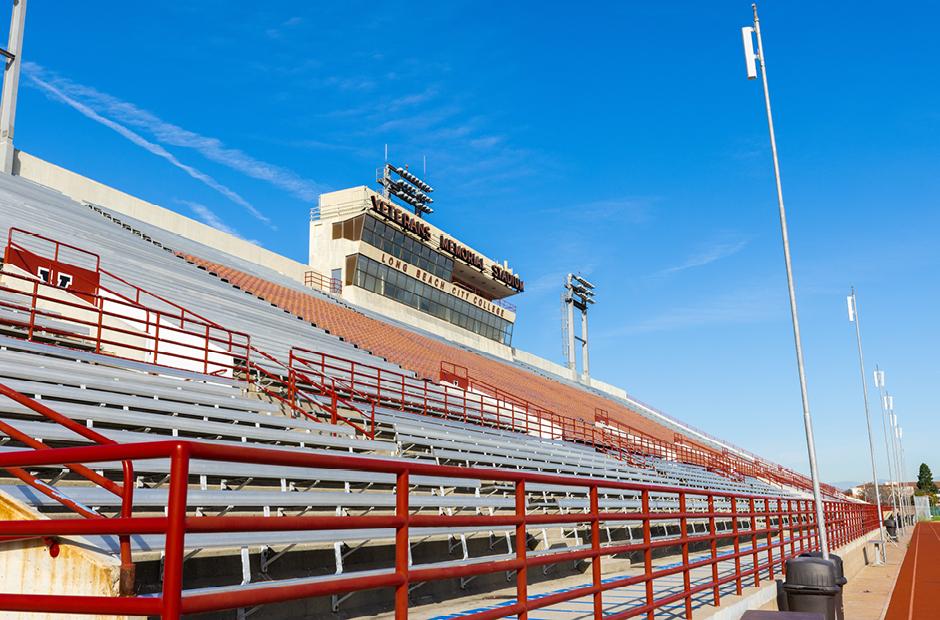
(460, 252)
(443, 285)
(507, 277)
(418, 227)
(407, 221)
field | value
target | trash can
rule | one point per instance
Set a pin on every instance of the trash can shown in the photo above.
(891, 527)
(811, 586)
(840, 579)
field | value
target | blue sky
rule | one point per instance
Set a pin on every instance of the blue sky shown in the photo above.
(621, 140)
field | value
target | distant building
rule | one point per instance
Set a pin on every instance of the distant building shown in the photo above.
(866, 491)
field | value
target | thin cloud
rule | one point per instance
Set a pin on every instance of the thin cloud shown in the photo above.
(635, 210)
(706, 257)
(142, 142)
(164, 132)
(208, 217)
(750, 305)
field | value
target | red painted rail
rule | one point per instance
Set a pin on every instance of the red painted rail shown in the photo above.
(774, 528)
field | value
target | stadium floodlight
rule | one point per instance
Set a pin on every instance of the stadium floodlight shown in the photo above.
(579, 293)
(794, 315)
(407, 187)
(854, 318)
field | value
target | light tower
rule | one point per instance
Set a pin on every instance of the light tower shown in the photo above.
(11, 82)
(405, 186)
(578, 293)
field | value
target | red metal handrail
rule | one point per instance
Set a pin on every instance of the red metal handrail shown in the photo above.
(315, 279)
(210, 340)
(56, 243)
(777, 528)
(321, 384)
(125, 491)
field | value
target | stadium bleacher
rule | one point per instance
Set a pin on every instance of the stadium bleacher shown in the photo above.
(653, 501)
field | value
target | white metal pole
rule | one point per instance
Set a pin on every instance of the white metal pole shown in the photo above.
(898, 467)
(794, 315)
(892, 481)
(903, 459)
(854, 317)
(11, 81)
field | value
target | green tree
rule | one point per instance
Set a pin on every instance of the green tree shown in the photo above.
(925, 480)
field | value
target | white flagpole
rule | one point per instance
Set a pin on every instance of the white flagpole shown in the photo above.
(854, 318)
(892, 478)
(794, 315)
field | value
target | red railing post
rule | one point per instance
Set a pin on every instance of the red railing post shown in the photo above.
(101, 324)
(787, 529)
(768, 525)
(402, 545)
(32, 310)
(713, 545)
(683, 536)
(522, 550)
(175, 535)
(156, 338)
(334, 413)
(754, 552)
(596, 553)
(737, 546)
(206, 364)
(647, 550)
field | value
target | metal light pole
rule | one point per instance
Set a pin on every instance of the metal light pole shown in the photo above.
(892, 479)
(807, 417)
(909, 508)
(854, 318)
(896, 455)
(11, 81)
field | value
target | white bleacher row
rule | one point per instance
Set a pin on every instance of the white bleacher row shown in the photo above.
(37, 209)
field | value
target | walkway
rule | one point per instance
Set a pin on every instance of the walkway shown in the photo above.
(916, 592)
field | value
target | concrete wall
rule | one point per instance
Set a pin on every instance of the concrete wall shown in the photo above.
(562, 371)
(84, 189)
(27, 568)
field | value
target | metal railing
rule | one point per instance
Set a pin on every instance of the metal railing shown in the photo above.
(125, 490)
(763, 533)
(320, 282)
(499, 409)
(115, 326)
